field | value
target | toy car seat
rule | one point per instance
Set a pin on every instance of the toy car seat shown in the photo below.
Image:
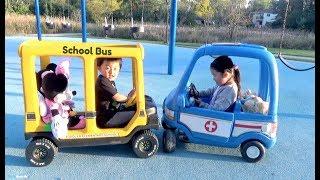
(236, 106)
(122, 118)
(75, 122)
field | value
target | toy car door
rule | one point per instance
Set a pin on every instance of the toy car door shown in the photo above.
(208, 124)
(205, 123)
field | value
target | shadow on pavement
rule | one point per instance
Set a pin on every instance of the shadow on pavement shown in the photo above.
(14, 134)
(16, 140)
(13, 94)
(14, 79)
(123, 150)
(13, 69)
(197, 151)
(16, 161)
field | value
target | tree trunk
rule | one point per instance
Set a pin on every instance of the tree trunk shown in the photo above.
(232, 31)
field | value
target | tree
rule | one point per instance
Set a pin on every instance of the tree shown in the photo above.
(18, 6)
(235, 16)
(258, 5)
(155, 10)
(204, 10)
(113, 5)
(301, 14)
(186, 12)
(295, 10)
(220, 7)
(231, 13)
(309, 15)
(98, 9)
(278, 7)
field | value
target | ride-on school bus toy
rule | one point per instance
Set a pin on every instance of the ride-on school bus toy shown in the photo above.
(252, 132)
(43, 145)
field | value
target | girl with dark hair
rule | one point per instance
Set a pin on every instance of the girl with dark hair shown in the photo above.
(227, 89)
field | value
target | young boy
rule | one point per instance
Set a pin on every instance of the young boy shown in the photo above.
(107, 96)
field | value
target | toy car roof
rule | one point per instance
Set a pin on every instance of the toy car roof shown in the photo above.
(236, 49)
(58, 48)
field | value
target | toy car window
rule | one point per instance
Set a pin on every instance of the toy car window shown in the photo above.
(201, 76)
(124, 81)
(76, 80)
(249, 72)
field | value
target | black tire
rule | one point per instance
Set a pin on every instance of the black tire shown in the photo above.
(254, 146)
(40, 152)
(164, 125)
(169, 141)
(145, 144)
(183, 138)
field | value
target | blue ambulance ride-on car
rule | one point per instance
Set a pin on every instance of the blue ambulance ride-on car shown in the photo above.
(232, 128)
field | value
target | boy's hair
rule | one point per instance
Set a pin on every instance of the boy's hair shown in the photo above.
(223, 64)
(102, 59)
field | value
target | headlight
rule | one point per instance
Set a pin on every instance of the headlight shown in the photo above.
(169, 113)
(270, 129)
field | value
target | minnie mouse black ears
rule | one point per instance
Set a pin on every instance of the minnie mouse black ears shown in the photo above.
(49, 67)
(53, 84)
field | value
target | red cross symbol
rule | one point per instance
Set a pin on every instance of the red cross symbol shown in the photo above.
(210, 126)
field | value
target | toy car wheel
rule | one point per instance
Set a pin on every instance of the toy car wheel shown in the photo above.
(169, 141)
(252, 151)
(40, 152)
(183, 137)
(145, 144)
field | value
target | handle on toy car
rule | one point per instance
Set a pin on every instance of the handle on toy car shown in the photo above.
(131, 100)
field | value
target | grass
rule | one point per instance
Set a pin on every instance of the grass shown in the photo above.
(288, 52)
(296, 43)
(292, 54)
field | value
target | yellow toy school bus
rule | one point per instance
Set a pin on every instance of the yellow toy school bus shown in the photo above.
(44, 146)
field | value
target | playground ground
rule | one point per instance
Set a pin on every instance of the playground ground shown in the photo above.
(292, 157)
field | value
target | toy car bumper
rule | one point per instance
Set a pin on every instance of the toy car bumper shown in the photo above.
(165, 121)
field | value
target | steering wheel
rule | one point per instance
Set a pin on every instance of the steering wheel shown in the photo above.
(131, 100)
(193, 94)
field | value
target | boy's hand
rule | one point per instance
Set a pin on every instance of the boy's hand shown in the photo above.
(132, 92)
